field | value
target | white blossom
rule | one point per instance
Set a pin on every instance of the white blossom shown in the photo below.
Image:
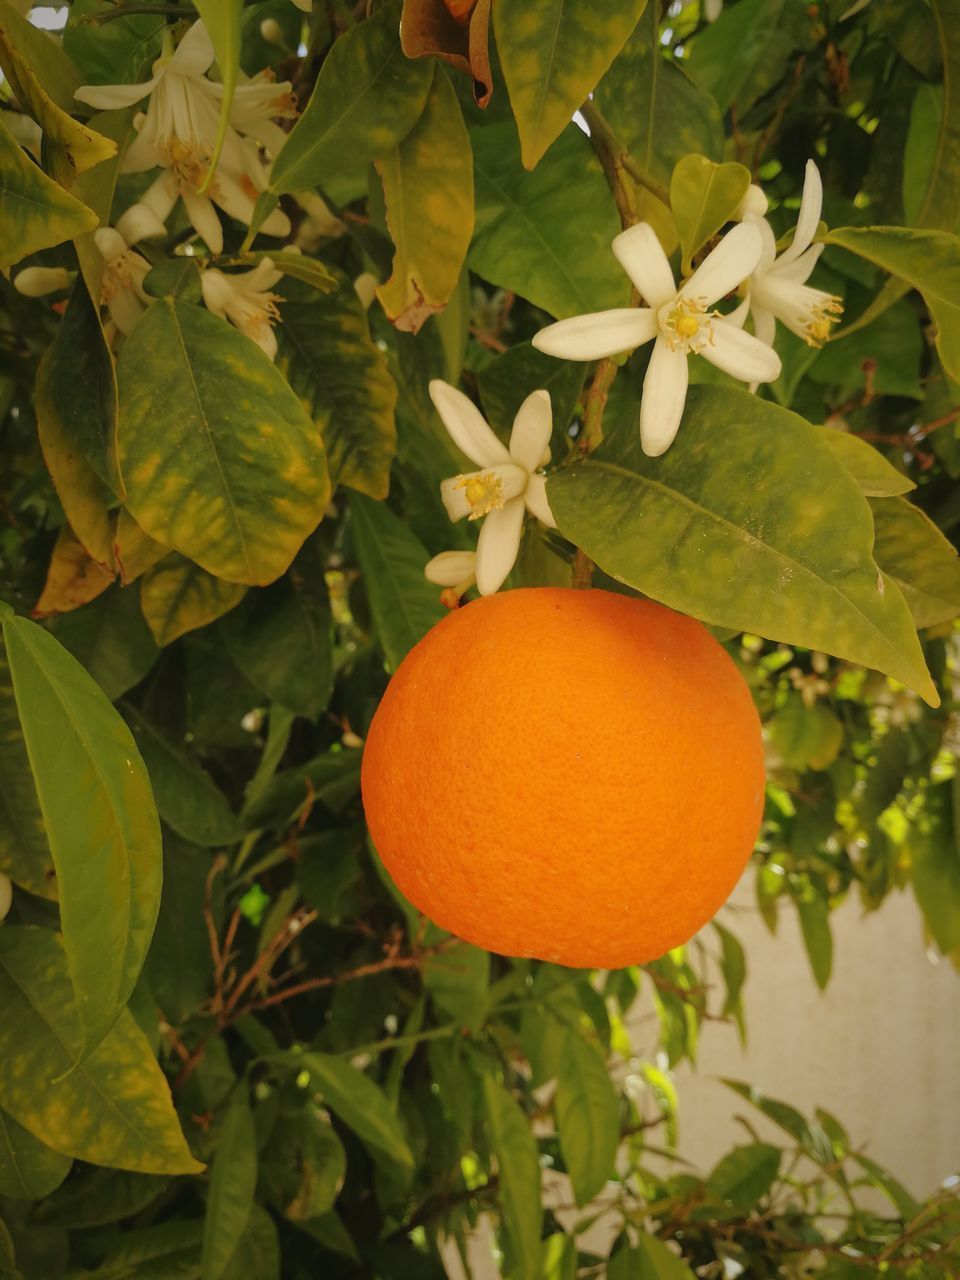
(508, 483)
(777, 289)
(712, 9)
(178, 134)
(246, 300)
(678, 321)
(121, 281)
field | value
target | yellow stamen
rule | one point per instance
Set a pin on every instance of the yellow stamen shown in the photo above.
(824, 317)
(484, 493)
(688, 326)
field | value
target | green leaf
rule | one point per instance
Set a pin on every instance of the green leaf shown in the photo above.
(876, 477)
(44, 54)
(588, 1118)
(746, 1174)
(111, 52)
(29, 1169)
(658, 1263)
(167, 1251)
(99, 817)
(904, 1202)
(928, 261)
(222, 20)
(281, 639)
(94, 1197)
(233, 1181)
(304, 1164)
(458, 980)
(553, 54)
(940, 206)
(188, 799)
(24, 849)
(80, 388)
(177, 596)
(367, 97)
(921, 561)
(704, 196)
(814, 916)
(935, 857)
(362, 1106)
(748, 494)
(507, 381)
(8, 1261)
(179, 963)
(341, 376)
(82, 494)
(514, 1146)
(110, 638)
(726, 56)
(257, 1252)
(114, 1108)
(560, 1257)
(655, 109)
(562, 264)
(428, 186)
(35, 212)
(733, 964)
(404, 605)
(806, 737)
(220, 459)
(808, 1134)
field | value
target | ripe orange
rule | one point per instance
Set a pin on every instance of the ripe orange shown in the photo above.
(571, 775)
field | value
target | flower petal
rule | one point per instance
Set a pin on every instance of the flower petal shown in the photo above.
(768, 253)
(194, 52)
(664, 395)
(808, 219)
(466, 424)
(754, 204)
(498, 545)
(450, 568)
(738, 316)
(600, 334)
(531, 430)
(140, 223)
(764, 325)
(726, 266)
(741, 354)
(454, 498)
(110, 97)
(800, 269)
(204, 221)
(641, 255)
(125, 310)
(535, 497)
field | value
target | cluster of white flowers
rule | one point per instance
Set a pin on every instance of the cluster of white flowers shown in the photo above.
(178, 134)
(680, 319)
(681, 322)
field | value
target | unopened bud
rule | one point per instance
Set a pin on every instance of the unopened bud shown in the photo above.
(37, 282)
(271, 31)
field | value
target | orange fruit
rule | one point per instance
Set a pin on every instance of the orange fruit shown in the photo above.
(575, 776)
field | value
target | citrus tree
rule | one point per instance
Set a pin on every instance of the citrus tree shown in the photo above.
(660, 298)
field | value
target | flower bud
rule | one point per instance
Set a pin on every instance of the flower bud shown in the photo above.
(36, 282)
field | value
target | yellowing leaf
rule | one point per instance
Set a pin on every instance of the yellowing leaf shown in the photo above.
(178, 596)
(73, 577)
(220, 459)
(341, 376)
(920, 560)
(134, 551)
(81, 492)
(114, 1108)
(35, 212)
(428, 185)
(747, 495)
(553, 54)
(72, 146)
